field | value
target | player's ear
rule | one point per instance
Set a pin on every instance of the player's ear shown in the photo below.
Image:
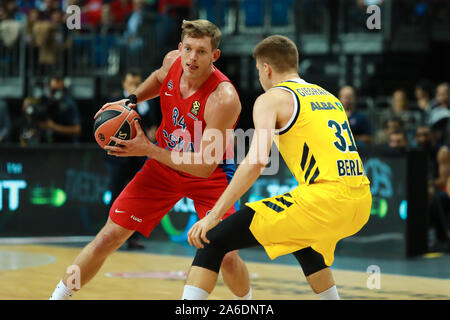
(180, 46)
(216, 54)
(267, 70)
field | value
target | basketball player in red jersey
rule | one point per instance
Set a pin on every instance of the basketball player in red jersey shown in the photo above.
(195, 96)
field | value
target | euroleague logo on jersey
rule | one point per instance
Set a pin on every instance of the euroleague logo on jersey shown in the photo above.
(195, 108)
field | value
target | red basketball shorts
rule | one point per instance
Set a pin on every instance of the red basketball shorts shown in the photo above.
(156, 188)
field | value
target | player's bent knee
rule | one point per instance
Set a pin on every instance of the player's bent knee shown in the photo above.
(310, 260)
(102, 243)
(210, 257)
(230, 260)
(107, 241)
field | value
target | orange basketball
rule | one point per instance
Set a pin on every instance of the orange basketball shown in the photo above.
(116, 120)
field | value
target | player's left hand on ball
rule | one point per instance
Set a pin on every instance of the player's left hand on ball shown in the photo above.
(197, 233)
(136, 147)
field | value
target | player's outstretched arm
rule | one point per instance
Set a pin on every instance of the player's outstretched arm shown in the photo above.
(264, 118)
(148, 89)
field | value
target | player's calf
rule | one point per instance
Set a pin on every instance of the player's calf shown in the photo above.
(92, 257)
(317, 273)
(235, 275)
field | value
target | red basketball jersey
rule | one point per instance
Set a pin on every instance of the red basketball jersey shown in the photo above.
(182, 122)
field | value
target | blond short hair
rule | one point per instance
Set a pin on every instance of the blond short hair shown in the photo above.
(201, 28)
(278, 51)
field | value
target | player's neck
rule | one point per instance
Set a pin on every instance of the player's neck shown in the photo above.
(193, 84)
(278, 78)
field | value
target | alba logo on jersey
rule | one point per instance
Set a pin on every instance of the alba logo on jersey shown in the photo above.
(325, 106)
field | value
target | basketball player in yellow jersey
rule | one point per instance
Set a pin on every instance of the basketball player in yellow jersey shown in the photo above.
(332, 200)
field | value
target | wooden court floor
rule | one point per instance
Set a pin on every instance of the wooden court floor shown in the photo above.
(32, 272)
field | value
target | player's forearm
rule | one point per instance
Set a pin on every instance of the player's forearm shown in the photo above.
(187, 162)
(245, 176)
(148, 89)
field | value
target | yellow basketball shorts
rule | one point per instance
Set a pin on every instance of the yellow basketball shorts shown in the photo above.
(316, 216)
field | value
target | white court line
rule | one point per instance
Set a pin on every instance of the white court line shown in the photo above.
(375, 238)
(33, 240)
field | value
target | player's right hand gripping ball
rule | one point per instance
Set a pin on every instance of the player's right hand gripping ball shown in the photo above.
(115, 120)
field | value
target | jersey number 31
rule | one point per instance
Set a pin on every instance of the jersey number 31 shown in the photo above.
(342, 144)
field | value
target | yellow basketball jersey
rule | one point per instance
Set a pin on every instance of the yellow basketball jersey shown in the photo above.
(317, 143)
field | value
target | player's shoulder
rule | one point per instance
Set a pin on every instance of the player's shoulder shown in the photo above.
(170, 58)
(167, 63)
(226, 88)
(223, 102)
(275, 97)
(224, 94)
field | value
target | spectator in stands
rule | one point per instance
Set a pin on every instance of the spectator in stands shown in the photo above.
(359, 123)
(107, 19)
(46, 7)
(424, 141)
(170, 16)
(438, 177)
(44, 36)
(440, 112)
(439, 123)
(390, 125)
(122, 170)
(423, 138)
(5, 122)
(9, 27)
(131, 79)
(63, 122)
(400, 102)
(442, 99)
(33, 18)
(61, 31)
(33, 112)
(398, 140)
(13, 11)
(122, 9)
(401, 107)
(92, 13)
(132, 35)
(423, 93)
(439, 169)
